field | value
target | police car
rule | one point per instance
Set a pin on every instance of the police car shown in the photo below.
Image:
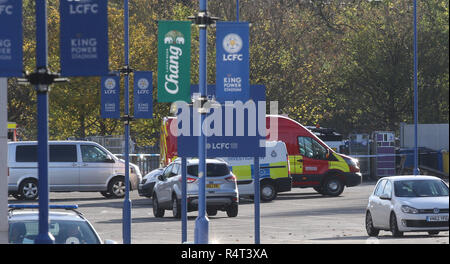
(66, 227)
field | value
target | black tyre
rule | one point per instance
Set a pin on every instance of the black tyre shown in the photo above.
(211, 212)
(157, 211)
(268, 191)
(232, 210)
(333, 186)
(116, 187)
(394, 226)
(176, 207)
(28, 190)
(319, 190)
(106, 194)
(371, 230)
(433, 233)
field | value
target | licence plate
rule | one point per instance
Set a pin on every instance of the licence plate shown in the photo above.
(213, 186)
(437, 218)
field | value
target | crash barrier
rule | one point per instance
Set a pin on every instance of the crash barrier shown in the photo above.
(145, 162)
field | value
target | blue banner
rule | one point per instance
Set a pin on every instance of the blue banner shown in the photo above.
(143, 94)
(232, 61)
(11, 39)
(110, 97)
(84, 38)
(232, 131)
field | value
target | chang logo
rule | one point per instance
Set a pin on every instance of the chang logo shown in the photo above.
(174, 37)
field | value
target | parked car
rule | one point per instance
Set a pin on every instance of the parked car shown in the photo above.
(73, 166)
(148, 182)
(221, 189)
(408, 204)
(66, 227)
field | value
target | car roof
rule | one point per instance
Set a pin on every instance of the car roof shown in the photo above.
(27, 215)
(411, 177)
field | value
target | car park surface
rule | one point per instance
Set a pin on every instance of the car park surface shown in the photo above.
(301, 216)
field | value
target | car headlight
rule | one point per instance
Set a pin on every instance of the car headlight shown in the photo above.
(409, 210)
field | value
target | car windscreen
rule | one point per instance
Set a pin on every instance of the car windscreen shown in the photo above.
(420, 188)
(212, 170)
(64, 232)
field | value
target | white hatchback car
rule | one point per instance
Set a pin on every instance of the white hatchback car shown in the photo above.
(408, 204)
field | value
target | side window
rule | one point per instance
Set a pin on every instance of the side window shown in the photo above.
(308, 147)
(167, 171)
(301, 146)
(63, 153)
(91, 153)
(26, 153)
(320, 152)
(380, 187)
(388, 189)
(176, 169)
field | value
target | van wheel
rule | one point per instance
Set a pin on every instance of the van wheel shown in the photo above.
(28, 189)
(232, 210)
(157, 211)
(116, 187)
(333, 186)
(268, 191)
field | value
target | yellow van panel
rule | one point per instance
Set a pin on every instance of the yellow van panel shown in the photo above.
(338, 165)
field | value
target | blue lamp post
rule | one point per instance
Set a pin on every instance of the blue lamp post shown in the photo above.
(416, 100)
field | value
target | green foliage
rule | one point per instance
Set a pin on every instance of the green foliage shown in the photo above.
(342, 64)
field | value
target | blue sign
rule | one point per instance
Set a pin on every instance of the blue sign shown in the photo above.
(232, 61)
(232, 130)
(143, 94)
(11, 39)
(84, 38)
(110, 97)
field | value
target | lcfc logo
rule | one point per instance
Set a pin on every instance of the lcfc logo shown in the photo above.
(143, 85)
(110, 85)
(232, 44)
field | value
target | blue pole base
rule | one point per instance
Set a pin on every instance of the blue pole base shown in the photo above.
(44, 238)
(201, 230)
(127, 221)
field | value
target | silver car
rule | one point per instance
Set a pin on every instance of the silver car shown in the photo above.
(73, 166)
(221, 189)
(65, 227)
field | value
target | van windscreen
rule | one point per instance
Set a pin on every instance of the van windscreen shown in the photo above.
(212, 170)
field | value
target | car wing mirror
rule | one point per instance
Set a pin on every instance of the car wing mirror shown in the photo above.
(385, 197)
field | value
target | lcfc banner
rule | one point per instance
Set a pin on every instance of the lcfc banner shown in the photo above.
(110, 97)
(11, 40)
(84, 37)
(143, 94)
(174, 61)
(232, 61)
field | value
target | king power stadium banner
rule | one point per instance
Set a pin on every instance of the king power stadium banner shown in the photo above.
(232, 61)
(11, 39)
(174, 61)
(84, 38)
(110, 97)
(143, 94)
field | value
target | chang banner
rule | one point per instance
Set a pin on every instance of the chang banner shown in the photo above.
(110, 97)
(143, 94)
(11, 39)
(232, 61)
(174, 61)
(84, 37)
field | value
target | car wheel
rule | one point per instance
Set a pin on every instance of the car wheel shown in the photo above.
(117, 187)
(232, 210)
(433, 233)
(157, 211)
(106, 194)
(333, 186)
(176, 207)
(28, 189)
(371, 230)
(394, 226)
(268, 191)
(211, 212)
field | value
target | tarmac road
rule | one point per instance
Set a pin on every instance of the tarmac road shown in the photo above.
(301, 216)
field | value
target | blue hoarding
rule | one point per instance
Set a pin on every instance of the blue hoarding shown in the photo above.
(143, 94)
(11, 38)
(110, 97)
(233, 130)
(84, 38)
(232, 61)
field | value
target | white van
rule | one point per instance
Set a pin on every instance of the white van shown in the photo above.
(73, 166)
(274, 172)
